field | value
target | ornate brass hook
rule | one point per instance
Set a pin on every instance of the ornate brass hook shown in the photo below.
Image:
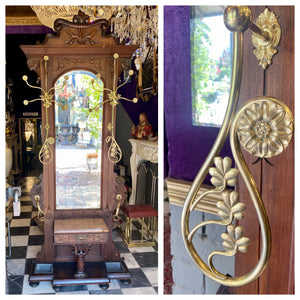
(47, 98)
(266, 37)
(114, 150)
(264, 127)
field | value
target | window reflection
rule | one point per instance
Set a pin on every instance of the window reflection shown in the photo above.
(78, 142)
(210, 65)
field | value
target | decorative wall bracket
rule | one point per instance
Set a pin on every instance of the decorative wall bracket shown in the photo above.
(264, 127)
(266, 32)
(266, 42)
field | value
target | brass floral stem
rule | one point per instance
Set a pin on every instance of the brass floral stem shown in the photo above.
(219, 252)
(215, 191)
(209, 222)
(220, 140)
(46, 153)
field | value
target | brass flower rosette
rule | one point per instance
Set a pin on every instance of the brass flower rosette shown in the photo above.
(264, 127)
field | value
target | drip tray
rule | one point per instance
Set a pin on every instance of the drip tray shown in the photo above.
(43, 269)
(41, 272)
(117, 270)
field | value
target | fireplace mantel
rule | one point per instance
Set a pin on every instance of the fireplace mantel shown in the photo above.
(141, 150)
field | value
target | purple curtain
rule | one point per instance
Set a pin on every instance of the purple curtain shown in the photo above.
(134, 109)
(186, 146)
(28, 29)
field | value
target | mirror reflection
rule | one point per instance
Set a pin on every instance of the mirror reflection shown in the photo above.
(210, 65)
(78, 128)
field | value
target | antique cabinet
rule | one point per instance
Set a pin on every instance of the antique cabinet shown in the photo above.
(78, 45)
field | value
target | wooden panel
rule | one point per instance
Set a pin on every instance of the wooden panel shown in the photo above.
(278, 181)
(275, 183)
(80, 231)
(251, 87)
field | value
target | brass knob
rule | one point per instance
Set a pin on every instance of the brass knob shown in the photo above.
(237, 18)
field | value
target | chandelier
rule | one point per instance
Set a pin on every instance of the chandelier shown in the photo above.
(131, 24)
(137, 24)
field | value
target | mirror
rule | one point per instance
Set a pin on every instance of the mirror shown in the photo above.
(210, 65)
(78, 130)
(30, 144)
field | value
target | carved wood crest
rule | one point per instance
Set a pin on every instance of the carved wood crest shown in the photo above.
(82, 31)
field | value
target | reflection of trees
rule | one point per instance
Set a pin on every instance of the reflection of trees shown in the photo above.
(93, 97)
(75, 103)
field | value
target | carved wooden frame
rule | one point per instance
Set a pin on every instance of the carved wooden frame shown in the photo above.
(78, 45)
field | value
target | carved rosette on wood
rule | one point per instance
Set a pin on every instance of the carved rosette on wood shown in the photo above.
(265, 127)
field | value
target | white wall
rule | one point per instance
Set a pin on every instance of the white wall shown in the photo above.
(188, 279)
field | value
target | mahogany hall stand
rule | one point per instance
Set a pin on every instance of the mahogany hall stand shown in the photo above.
(78, 246)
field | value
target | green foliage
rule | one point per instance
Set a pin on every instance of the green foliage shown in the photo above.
(209, 77)
(92, 116)
(67, 97)
(203, 67)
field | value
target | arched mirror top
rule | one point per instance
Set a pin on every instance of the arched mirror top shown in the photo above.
(94, 73)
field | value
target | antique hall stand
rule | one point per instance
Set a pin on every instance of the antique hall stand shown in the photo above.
(79, 240)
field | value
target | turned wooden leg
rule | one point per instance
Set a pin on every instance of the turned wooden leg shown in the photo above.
(81, 251)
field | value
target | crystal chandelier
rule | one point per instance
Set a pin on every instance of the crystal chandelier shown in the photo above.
(137, 24)
(47, 14)
(131, 24)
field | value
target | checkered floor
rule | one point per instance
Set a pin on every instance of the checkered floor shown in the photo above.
(27, 239)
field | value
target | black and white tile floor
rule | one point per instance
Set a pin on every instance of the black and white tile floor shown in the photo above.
(27, 239)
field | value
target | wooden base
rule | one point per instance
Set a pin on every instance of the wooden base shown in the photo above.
(64, 273)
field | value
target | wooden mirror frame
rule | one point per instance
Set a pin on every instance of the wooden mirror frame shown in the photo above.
(78, 45)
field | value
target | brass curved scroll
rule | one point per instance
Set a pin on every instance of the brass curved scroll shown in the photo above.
(47, 98)
(264, 127)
